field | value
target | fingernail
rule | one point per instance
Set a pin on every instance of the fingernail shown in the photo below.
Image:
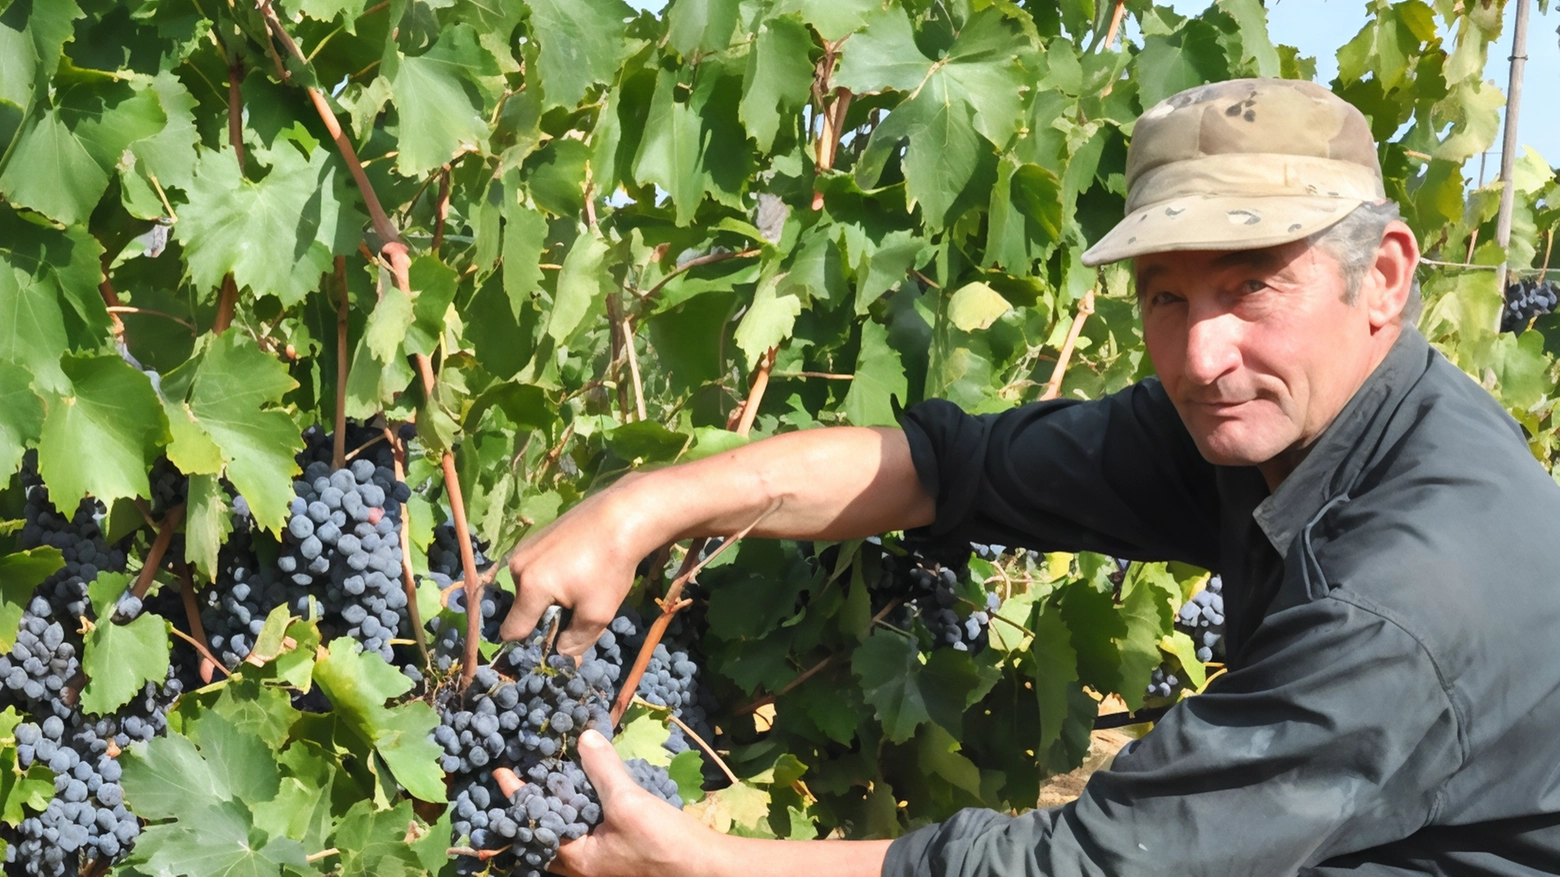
(592, 737)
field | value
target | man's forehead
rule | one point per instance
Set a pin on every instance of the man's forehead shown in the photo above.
(1152, 266)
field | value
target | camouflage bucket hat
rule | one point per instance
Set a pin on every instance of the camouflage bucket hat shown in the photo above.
(1239, 165)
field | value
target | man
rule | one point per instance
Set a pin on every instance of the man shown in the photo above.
(1383, 532)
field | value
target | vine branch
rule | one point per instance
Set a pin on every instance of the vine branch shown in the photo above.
(198, 630)
(671, 604)
(1053, 387)
(408, 579)
(154, 557)
(339, 446)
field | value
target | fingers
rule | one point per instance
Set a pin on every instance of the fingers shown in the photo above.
(531, 600)
(585, 628)
(508, 781)
(604, 768)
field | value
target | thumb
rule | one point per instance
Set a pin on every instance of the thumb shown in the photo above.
(604, 768)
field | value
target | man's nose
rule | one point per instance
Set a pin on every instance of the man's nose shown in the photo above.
(1212, 345)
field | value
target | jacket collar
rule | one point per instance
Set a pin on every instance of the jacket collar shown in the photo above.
(1343, 449)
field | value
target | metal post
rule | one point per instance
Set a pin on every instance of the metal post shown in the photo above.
(1508, 152)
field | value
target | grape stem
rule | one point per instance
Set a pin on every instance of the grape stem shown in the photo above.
(703, 744)
(205, 653)
(225, 305)
(671, 604)
(441, 210)
(468, 562)
(192, 613)
(154, 557)
(407, 579)
(1053, 387)
(339, 448)
(694, 263)
(744, 416)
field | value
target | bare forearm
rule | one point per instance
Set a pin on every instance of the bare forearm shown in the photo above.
(836, 483)
(752, 857)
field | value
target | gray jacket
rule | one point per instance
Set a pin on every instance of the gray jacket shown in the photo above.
(1393, 635)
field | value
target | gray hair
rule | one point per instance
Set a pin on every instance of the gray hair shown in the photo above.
(1353, 241)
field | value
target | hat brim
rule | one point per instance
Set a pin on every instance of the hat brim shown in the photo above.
(1234, 222)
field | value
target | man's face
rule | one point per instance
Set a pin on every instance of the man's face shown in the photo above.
(1256, 348)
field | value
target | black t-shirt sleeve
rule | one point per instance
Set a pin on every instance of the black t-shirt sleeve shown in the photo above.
(1118, 475)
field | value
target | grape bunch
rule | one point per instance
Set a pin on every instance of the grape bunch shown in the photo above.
(234, 610)
(444, 551)
(78, 537)
(672, 677)
(86, 818)
(529, 724)
(343, 544)
(1525, 300)
(448, 630)
(927, 579)
(1202, 617)
(1162, 682)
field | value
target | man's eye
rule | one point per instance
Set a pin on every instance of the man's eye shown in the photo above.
(1253, 286)
(1159, 299)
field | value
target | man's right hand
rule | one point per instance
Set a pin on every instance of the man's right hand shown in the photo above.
(831, 484)
(583, 561)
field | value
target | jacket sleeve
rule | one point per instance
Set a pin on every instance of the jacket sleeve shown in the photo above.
(1340, 714)
(1118, 475)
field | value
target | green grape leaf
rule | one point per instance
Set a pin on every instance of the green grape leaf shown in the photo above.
(701, 26)
(438, 120)
(879, 378)
(22, 792)
(778, 80)
(583, 285)
(404, 739)
(888, 666)
(1181, 646)
(434, 283)
(1145, 607)
(1055, 667)
(937, 754)
(768, 321)
(373, 842)
(883, 56)
(222, 841)
(1257, 48)
(581, 42)
(975, 306)
(388, 323)
(100, 437)
(20, 572)
(48, 283)
(207, 524)
(21, 415)
(166, 778)
(953, 681)
(330, 10)
(358, 684)
(525, 235)
(50, 171)
(230, 401)
(641, 734)
(241, 761)
(276, 236)
(670, 149)
(32, 36)
(833, 19)
(1171, 63)
(119, 659)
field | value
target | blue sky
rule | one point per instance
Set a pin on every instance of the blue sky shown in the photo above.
(1319, 27)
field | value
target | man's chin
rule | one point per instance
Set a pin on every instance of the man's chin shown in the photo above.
(1227, 447)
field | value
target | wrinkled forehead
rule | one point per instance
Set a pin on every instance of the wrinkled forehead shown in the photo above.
(1195, 265)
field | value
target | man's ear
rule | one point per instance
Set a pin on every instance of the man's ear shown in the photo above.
(1385, 287)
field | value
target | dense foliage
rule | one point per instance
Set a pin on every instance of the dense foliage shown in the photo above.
(259, 376)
